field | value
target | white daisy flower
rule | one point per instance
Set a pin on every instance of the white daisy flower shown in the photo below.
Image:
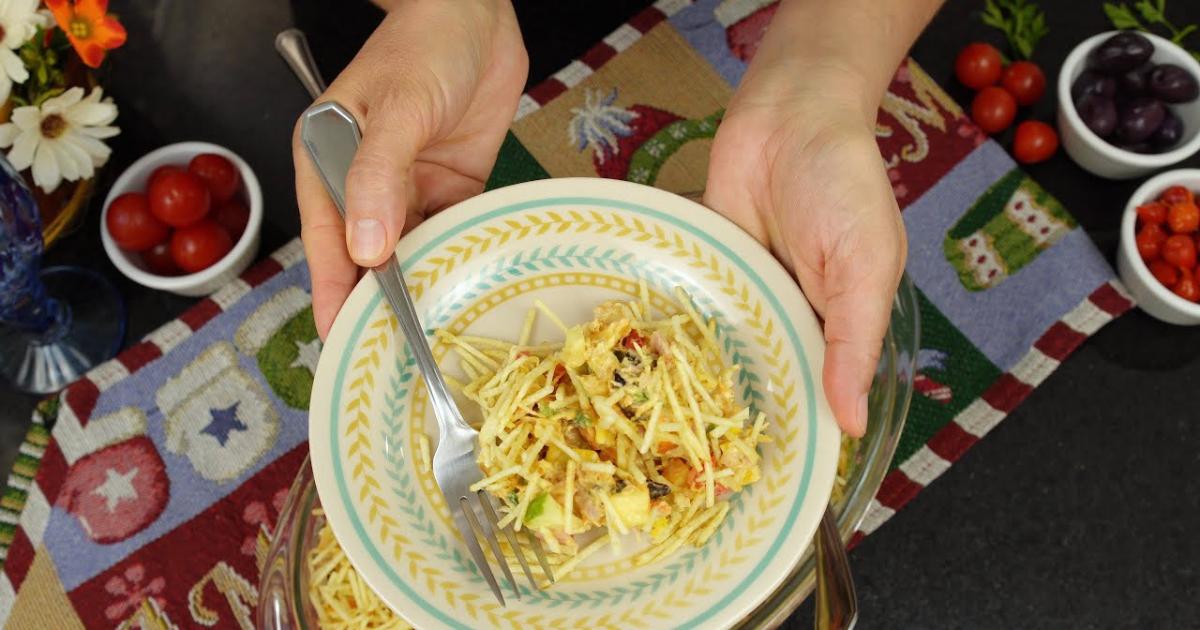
(19, 21)
(62, 139)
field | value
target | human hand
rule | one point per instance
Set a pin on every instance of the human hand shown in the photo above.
(434, 90)
(796, 164)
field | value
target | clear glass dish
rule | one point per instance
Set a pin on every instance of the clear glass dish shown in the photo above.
(284, 601)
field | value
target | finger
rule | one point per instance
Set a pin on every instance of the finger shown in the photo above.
(859, 290)
(377, 185)
(333, 274)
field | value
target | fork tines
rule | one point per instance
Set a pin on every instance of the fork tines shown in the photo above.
(486, 532)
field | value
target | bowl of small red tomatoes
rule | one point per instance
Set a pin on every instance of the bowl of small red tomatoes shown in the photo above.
(184, 218)
(1157, 254)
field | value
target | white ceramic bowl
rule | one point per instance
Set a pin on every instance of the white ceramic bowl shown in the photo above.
(1151, 295)
(1095, 154)
(203, 282)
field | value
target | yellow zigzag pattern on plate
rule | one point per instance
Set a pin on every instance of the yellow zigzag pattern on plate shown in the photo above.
(358, 431)
(694, 588)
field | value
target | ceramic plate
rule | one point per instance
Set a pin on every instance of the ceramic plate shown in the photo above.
(477, 268)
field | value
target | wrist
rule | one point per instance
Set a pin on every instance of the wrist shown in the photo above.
(816, 88)
(848, 49)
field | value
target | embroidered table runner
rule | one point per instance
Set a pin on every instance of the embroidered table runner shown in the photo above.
(145, 494)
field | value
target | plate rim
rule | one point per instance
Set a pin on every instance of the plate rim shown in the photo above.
(734, 244)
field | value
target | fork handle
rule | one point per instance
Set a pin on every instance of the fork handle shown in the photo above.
(331, 136)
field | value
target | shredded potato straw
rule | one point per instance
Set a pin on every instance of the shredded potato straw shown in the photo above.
(628, 425)
(340, 597)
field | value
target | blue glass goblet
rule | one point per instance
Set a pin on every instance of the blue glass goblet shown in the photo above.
(55, 323)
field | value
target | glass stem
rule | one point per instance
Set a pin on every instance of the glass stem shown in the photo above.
(40, 315)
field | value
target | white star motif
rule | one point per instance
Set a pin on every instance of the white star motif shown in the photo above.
(116, 487)
(307, 354)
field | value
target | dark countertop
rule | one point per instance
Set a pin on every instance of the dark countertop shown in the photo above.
(1074, 512)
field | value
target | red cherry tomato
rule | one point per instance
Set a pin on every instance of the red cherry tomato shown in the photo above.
(993, 109)
(1167, 274)
(158, 260)
(131, 224)
(198, 246)
(177, 197)
(1153, 212)
(978, 65)
(233, 216)
(1035, 142)
(1186, 288)
(1176, 194)
(1025, 81)
(1183, 218)
(1180, 250)
(218, 173)
(1149, 241)
(160, 171)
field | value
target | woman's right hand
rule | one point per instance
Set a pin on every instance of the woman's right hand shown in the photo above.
(434, 90)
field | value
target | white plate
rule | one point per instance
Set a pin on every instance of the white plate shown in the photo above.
(573, 243)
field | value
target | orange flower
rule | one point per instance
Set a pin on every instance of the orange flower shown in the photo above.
(89, 27)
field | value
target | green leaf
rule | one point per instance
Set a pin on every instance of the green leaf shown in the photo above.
(1149, 12)
(992, 15)
(1120, 16)
(1183, 32)
(1023, 23)
(581, 420)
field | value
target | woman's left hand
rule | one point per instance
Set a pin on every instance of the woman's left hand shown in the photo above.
(796, 164)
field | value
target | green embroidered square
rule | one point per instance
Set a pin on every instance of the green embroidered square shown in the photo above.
(514, 164)
(963, 369)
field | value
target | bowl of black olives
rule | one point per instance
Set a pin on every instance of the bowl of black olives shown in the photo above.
(1129, 104)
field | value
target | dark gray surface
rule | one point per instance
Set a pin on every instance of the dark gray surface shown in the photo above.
(1076, 511)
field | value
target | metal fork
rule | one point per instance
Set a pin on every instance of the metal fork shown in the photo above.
(331, 136)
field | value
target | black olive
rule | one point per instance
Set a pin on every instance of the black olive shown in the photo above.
(1169, 132)
(619, 486)
(624, 356)
(1120, 53)
(1092, 82)
(1098, 113)
(618, 379)
(1139, 119)
(1172, 84)
(658, 490)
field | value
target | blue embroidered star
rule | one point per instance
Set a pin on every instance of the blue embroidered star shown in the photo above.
(223, 422)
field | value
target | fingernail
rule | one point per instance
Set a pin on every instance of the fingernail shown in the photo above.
(861, 421)
(366, 239)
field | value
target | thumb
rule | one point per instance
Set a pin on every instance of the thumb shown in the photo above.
(377, 185)
(859, 292)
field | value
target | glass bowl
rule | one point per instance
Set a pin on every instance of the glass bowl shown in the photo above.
(284, 601)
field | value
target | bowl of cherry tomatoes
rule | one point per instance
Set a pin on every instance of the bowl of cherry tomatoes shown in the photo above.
(184, 218)
(1160, 237)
